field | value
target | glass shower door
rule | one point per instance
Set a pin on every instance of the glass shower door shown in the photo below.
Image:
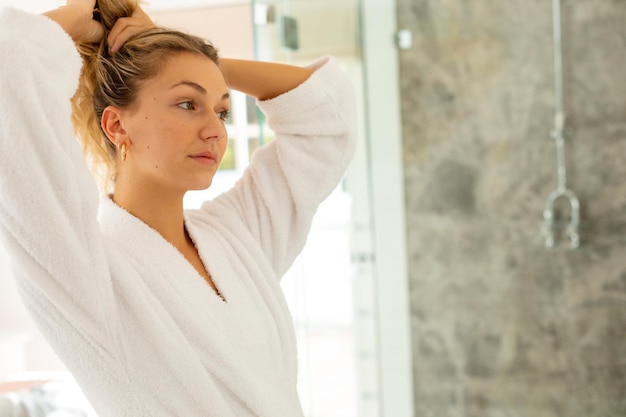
(330, 287)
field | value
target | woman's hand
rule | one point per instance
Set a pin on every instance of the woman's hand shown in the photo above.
(76, 18)
(126, 27)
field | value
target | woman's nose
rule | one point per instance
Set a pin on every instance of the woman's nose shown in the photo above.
(214, 128)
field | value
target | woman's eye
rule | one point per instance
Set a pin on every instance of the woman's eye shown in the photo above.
(187, 105)
(223, 115)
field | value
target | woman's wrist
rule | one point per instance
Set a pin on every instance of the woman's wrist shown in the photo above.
(60, 17)
(77, 22)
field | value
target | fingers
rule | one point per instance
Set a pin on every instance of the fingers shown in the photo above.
(123, 29)
(126, 27)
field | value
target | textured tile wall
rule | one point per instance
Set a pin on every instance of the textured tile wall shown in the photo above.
(501, 325)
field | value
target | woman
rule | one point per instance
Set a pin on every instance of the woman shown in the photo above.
(159, 311)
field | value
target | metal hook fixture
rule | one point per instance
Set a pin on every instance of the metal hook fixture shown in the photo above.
(557, 133)
(548, 228)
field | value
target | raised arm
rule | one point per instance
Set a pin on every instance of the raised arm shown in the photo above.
(49, 201)
(315, 136)
(263, 80)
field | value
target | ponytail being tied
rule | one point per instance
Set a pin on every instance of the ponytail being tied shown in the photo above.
(89, 101)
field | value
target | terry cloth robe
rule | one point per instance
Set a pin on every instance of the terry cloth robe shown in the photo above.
(141, 331)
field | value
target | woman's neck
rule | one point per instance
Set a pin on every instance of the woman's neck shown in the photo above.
(159, 209)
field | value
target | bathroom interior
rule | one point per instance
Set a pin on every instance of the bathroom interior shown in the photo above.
(473, 261)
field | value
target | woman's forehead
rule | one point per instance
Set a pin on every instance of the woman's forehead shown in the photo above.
(189, 69)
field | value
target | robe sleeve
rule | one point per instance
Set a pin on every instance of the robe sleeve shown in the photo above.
(315, 139)
(48, 199)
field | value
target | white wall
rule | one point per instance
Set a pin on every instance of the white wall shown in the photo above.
(228, 27)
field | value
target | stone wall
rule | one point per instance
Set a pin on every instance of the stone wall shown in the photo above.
(501, 325)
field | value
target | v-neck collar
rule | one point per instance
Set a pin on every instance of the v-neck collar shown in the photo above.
(136, 237)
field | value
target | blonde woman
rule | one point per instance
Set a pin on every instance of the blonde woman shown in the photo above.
(156, 310)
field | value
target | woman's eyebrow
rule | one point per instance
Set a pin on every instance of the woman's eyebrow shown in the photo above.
(191, 84)
(198, 88)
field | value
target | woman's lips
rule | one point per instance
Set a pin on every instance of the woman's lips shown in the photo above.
(205, 158)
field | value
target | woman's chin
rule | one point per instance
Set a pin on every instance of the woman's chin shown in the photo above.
(201, 186)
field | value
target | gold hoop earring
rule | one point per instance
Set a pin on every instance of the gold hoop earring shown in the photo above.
(123, 151)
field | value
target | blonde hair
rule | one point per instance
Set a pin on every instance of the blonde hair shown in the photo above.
(115, 80)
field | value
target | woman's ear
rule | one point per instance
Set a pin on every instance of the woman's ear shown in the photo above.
(112, 125)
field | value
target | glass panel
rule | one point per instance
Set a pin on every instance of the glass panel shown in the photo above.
(330, 286)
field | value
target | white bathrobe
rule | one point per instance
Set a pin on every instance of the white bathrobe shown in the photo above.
(141, 331)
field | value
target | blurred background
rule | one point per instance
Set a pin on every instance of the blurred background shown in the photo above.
(426, 288)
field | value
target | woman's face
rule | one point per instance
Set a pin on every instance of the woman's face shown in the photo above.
(176, 127)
